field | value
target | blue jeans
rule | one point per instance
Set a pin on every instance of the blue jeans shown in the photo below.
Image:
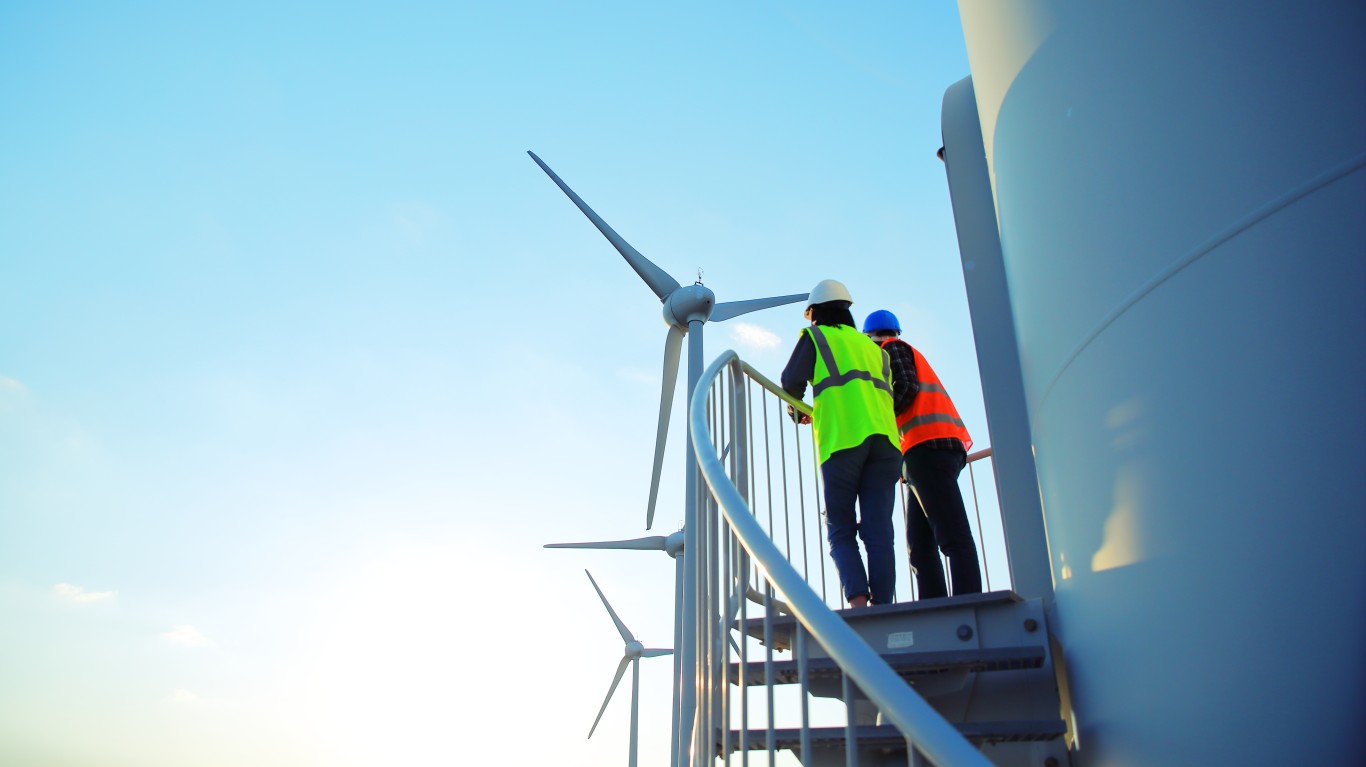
(865, 475)
(936, 521)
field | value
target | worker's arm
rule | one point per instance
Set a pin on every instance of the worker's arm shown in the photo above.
(801, 368)
(905, 383)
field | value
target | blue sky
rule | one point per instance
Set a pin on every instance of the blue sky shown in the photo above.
(302, 359)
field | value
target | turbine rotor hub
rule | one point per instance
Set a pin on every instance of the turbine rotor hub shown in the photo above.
(673, 545)
(689, 303)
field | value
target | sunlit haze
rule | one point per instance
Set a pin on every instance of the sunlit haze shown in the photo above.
(303, 359)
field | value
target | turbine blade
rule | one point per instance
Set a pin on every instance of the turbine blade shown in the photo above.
(621, 669)
(658, 279)
(655, 653)
(621, 627)
(673, 347)
(648, 543)
(736, 308)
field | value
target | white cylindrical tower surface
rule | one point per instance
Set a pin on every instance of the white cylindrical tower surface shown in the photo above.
(1181, 194)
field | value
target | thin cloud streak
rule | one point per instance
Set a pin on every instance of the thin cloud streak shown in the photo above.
(185, 636)
(71, 593)
(753, 336)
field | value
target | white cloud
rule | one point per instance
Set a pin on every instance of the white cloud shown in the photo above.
(77, 594)
(186, 636)
(753, 336)
(12, 384)
(184, 697)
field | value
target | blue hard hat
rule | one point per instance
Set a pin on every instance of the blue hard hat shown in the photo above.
(881, 320)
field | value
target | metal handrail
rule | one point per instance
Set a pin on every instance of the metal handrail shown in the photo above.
(929, 732)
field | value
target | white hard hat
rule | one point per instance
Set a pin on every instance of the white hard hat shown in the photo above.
(828, 290)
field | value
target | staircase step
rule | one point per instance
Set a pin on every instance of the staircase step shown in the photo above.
(782, 626)
(887, 736)
(907, 664)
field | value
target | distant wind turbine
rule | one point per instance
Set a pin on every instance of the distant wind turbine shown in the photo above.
(633, 653)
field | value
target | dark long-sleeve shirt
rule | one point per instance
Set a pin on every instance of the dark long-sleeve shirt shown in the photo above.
(801, 367)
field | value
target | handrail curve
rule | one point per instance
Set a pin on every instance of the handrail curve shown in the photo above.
(932, 735)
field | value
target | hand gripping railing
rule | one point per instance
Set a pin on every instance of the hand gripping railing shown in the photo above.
(730, 540)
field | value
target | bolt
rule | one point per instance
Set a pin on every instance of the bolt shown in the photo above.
(965, 632)
(1031, 625)
(1051, 761)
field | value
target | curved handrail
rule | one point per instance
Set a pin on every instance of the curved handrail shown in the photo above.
(931, 734)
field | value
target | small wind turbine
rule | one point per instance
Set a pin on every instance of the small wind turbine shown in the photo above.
(633, 653)
(686, 307)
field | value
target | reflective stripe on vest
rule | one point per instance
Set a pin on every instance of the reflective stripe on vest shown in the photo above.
(851, 402)
(931, 414)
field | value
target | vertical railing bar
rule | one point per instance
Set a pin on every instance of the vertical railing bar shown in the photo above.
(801, 501)
(768, 462)
(726, 712)
(751, 470)
(711, 572)
(771, 736)
(721, 605)
(977, 509)
(906, 520)
(744, 683)
(749, 446)
(740, 434)
(716, 606)
(804, 685)
(818, 496)
(787, 502)
(850, 723)
(703, 729)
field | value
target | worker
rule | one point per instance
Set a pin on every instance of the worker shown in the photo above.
(934, 446)
(856, 440)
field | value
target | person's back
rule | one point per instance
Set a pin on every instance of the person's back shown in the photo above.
(934, 444)
(855, 439)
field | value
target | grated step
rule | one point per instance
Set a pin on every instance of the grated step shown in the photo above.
(906, 664)
(886, 736)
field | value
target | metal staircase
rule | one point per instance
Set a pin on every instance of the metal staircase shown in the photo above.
(950, 681)
(982, 661)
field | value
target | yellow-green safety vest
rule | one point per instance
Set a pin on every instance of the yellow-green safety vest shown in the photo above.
(851, 390)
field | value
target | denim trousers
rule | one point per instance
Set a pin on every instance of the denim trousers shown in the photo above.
(864, 476)
(936, 520)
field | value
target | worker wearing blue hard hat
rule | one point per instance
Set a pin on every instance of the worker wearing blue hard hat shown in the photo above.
(934, 444)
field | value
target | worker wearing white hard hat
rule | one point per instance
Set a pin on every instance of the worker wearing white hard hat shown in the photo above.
(856, 440)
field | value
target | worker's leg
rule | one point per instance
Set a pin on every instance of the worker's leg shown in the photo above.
(877, 501)
(840, 474)
(933, 474)
(924, 552)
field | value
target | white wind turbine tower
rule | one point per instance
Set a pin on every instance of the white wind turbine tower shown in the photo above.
(634, 651)
(686, 309)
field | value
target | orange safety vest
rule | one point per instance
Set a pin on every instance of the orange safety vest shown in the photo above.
(931, 414)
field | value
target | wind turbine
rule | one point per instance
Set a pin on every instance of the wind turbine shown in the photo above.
(633, 653)
(686, 308)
